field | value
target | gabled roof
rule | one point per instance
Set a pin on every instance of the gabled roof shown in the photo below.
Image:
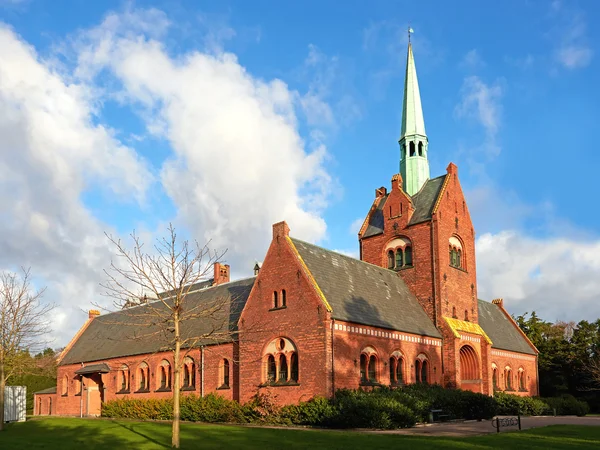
(423, 201)
(363, 293)
(130, 332)
(501, 330)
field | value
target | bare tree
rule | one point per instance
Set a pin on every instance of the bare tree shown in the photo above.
(24, 321)
(152, 288)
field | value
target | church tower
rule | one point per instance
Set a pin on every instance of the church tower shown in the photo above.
(414, 166)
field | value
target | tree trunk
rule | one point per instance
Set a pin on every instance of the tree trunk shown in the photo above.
(2, 384)
(176, 385)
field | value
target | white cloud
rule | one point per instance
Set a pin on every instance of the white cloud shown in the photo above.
(572, 49)
(355, 226)
(238, 164)
(51, 152)
(574, 56)
(472, 60)
(556, 277)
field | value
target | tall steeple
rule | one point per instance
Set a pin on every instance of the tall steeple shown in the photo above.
(414, 166)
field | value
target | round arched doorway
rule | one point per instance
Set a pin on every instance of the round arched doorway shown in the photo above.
(469, 369)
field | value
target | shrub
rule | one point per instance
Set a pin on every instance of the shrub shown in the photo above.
(509, 404)
(316, 412)
(567, 405)
(147, 409)
(359, 409)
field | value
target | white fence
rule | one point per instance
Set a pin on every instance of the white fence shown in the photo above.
(15, 403)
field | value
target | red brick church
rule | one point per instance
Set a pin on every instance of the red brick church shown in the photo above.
(407, 311)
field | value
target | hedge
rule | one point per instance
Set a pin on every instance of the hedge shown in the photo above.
(381, 407)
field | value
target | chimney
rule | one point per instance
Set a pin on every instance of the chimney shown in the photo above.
(499, 302)
(381, 192)
(452, 168)
(93, 313)
(398, 180)
(280, 229)
(221, 274)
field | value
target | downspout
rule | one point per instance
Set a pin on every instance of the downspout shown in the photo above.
(332, 360)
(81, 397)
(202, 371)
(433, 289)
(537, 372)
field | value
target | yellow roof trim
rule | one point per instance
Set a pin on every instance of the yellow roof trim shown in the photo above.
(468, 327)
(439, 199)
(309, 275)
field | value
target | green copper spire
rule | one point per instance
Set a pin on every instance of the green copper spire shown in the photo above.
(414, 166)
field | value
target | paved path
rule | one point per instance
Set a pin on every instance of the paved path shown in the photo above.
(472, 428)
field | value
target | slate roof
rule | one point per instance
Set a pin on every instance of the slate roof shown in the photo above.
(93, 368)
(126, 333)
(363, 293)
(501, 330)
(51, 390)
(375, 226)
(424, 200)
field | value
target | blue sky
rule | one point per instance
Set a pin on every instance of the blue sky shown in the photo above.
(224, 117)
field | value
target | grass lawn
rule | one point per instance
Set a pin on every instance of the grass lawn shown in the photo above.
(65, 434)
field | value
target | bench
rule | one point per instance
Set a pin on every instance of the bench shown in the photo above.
(437, 414)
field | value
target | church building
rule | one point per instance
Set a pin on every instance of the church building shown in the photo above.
(311, 321)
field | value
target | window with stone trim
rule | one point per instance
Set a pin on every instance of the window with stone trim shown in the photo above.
(224, 373)
(369, 373)
(422, 369)
(396, 369)
(455, 248)
(280, 362)
(508, 378)
(123, 378)
(189, 374)
(283, 298)
(164, 376)
(522, 380)
(495, 385)
(275, 299)
(143, 377)
(399, 253)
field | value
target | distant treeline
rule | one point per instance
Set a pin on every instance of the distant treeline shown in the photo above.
(569, 359)
(36, 372)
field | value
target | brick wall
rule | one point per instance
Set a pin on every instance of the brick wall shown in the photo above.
(351, 339)
(304, 321)
(109, 384)
(44, 405)
(515, 361)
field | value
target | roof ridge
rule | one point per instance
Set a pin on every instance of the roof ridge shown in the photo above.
(341, 254)
(191, 292)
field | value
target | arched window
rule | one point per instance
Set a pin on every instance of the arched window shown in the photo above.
(50, 406)
(79, 385)
(368, 366)
(454, 312)
(522, 383)
(408, 256)
(399, 262)
(124, 378)
(275, 300)
(399, 253)
(421, 369)
(372, 368)
(396, 369)
(495, 378)
(189, 373)
(456, 253)
(364, 362)
(40, 406)
(143, 377)
(224, 373)
(420, 148)
(411, 147)
(508, 378)
(164, 378)
(283, 298)
(466, 315)
(65, 386)
(281, 362)
(271, 369)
